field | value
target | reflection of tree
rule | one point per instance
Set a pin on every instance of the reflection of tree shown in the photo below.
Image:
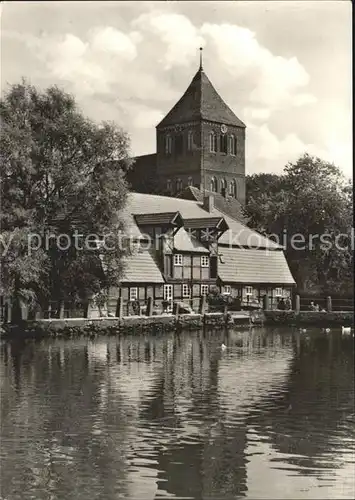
(200, 455)
(308, 425)
(54, 426)
(76, 416)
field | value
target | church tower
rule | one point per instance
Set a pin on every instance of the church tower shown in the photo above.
(201, 143)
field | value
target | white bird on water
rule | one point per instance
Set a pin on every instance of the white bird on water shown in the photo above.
(223, 347)
(326, 330)
(346, 330)
(303, 330)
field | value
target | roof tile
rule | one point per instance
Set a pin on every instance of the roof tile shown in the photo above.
(142, 268)
(238, 234)
(201, 101)
(247, 265)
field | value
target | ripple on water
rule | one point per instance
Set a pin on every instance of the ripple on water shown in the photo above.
(161, 416)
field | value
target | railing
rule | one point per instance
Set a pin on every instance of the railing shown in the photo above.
(322, 303)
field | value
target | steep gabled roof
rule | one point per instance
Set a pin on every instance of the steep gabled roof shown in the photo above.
(201, 101)
(238, 233)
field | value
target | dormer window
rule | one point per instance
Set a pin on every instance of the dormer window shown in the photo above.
(232, 145)
(168, 144)
(213, 142)
(223, 143)
(214, 185)
(190, 140)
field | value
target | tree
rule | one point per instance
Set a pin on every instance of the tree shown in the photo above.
(310, 202)
(61, 174)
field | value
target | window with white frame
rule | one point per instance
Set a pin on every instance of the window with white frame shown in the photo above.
(133, 293)
(248, 290)
(168, 292)
(278, 292)
(186, 291)
(205, 261)
(177, 259)
(190, 181)
(227, 289)
(204, 290)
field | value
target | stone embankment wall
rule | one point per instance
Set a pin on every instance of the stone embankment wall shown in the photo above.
(78, 327)
(316, 318)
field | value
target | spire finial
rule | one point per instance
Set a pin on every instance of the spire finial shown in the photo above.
(201, 49)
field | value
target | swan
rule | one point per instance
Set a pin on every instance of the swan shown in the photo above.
(303, 330)
(346, 329)
(326, 330)
(223, 347)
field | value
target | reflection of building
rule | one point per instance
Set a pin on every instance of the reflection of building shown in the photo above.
(200, 403)
(175, 414)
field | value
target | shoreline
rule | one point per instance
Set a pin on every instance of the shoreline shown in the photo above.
(93, 327)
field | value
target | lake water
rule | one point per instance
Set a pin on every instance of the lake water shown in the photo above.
(175, 416)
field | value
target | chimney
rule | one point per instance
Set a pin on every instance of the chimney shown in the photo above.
(208, 203)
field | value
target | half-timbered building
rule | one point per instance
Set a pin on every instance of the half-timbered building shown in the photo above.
(184, 248)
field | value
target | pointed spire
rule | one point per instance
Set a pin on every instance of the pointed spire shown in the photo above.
(200, 101)
(201, 49)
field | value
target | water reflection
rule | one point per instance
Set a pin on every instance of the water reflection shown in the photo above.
(175, 416)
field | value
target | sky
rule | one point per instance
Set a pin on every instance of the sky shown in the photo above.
(283, 67)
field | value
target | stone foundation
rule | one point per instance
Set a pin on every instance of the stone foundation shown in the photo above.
(316, 318)
(79, 327)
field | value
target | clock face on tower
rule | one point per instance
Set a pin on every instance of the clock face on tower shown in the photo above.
(224, 129)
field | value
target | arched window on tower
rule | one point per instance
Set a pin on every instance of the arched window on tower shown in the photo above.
(214, 185)
(223, 187)
(179, 144)
(233, 189)
(213, 142)
(190, 140)
(168, 185)
(223, 143)
(232, 145)
(190, 181)
(168, 144)
(178, 185)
